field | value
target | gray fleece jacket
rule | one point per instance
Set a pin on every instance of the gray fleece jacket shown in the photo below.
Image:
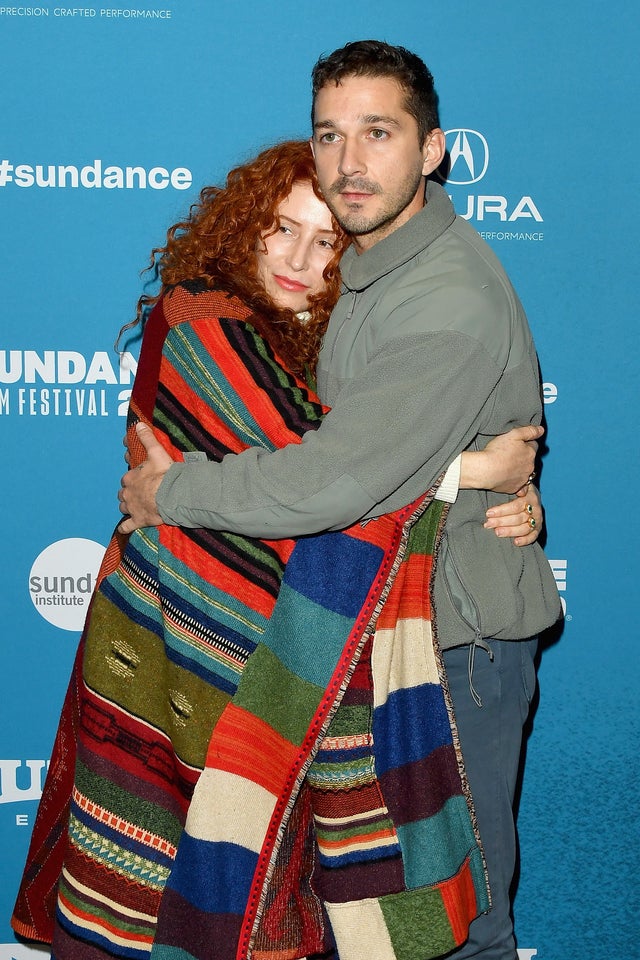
(427, 353)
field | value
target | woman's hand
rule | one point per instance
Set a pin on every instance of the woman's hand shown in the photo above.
(521, 518)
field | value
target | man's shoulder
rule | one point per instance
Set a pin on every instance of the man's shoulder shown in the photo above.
(454, 286)
(477, 254)
(458, 265)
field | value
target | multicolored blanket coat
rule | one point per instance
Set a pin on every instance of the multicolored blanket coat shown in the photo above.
(257, 755)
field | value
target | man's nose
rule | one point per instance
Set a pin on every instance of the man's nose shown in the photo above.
(351, 161)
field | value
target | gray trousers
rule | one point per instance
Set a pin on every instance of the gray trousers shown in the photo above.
(491, 740)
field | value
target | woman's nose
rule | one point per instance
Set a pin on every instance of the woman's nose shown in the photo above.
(298, 258)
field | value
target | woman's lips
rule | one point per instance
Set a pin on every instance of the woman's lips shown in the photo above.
(288, 284)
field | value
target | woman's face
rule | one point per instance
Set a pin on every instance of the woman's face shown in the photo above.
(291, 260)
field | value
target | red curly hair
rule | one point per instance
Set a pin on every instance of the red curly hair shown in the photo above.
(217, 244)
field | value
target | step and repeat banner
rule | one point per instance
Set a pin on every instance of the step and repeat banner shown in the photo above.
(112, 120)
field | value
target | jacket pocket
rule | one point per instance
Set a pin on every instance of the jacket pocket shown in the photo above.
(482, 574)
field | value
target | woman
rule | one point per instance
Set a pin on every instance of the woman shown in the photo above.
(247, 286)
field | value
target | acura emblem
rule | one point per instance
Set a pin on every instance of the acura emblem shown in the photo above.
(467, 157)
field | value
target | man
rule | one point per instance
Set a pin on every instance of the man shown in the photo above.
(427, 354)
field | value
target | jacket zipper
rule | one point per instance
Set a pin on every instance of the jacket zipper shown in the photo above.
(354, 297)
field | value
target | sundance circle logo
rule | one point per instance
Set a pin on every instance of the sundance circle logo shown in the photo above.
(62, 579)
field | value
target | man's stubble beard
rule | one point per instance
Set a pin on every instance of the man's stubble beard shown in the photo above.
(354, 221)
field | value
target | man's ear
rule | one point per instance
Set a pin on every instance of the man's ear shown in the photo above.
(312, 147)
(433, 151)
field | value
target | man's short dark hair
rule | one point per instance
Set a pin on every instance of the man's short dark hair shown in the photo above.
(374, 58)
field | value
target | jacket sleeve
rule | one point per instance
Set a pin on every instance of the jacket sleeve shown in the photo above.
(390, 434)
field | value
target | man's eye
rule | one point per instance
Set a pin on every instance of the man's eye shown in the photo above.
(379, 134)
(328, 138)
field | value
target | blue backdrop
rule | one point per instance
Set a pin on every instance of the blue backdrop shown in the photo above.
(113, 118)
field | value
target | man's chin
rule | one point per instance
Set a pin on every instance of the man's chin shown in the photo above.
(355, 223)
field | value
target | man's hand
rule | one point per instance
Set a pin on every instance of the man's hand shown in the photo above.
(520, 519)
(506, 465)
(137, 494)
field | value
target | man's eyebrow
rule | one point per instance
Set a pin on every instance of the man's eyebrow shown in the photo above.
(373, 118)
(369, 119)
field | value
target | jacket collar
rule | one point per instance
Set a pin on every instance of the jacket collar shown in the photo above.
(360, 270)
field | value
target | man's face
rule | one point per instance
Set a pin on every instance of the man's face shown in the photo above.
(369, 159)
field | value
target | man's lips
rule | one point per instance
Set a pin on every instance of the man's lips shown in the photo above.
(354, 190)
(288, 284)
(352, 196)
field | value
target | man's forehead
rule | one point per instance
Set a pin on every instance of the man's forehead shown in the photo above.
(362, 97)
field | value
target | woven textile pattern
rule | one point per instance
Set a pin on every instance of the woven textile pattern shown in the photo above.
(283, 700)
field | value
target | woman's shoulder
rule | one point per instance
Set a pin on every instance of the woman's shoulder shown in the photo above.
(194, 300)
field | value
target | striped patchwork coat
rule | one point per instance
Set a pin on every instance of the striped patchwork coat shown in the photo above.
(257, 755)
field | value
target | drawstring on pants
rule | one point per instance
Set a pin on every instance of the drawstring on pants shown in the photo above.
(482, 643)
